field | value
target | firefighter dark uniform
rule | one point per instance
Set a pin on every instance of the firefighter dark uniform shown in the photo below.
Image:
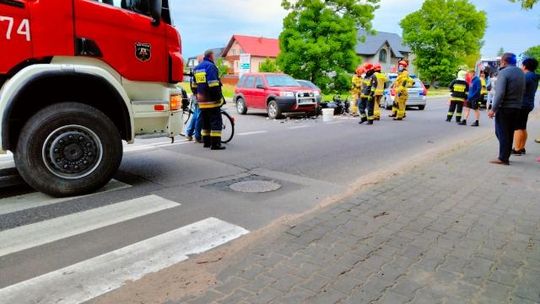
(379, 91)
(210, 98)
(458, 95)
(367, 103)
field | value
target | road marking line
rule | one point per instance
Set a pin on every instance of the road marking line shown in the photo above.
(252, 133)
(164, 145)
(91, 278)
(38, 199)
(129, 149)
(33, 235)
(138, 148)
(298, 127)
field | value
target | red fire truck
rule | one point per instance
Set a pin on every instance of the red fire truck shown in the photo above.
(79, 76)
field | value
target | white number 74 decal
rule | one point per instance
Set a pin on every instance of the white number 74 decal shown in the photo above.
(23, 29)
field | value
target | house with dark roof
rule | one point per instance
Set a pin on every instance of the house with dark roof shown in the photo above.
(259, 48)
(384, 48)
(195, 60)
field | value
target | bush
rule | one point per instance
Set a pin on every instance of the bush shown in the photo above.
(268, 66)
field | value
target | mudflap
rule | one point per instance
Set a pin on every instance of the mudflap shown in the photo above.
(175, 124)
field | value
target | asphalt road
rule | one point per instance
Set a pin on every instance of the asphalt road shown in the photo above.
(162, 188)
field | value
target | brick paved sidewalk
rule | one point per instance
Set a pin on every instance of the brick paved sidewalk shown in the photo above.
(456, 231)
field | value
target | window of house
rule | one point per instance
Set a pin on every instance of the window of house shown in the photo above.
(383, 55)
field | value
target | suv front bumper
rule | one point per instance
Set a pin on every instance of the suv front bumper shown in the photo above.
(291, 104)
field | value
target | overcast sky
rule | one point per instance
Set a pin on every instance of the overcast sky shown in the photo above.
(211, 23)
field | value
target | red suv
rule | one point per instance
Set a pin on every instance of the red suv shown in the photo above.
(276, 93)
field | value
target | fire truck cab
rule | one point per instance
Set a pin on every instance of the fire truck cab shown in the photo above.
(79, 76)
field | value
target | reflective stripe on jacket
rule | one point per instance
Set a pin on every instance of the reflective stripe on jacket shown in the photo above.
(381, 80)
(206, 77)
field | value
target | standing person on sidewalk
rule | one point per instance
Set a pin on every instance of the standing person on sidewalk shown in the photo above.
(473, 101)
(458, 95)
(507, 105)
(531, 85)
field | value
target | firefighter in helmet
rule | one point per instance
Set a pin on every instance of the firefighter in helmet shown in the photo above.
(379, 90)
(356, 89)
(367, 96)
(210, 98)
(403, 82)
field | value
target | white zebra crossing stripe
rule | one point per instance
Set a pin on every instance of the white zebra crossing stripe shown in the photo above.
(91, 278)
(37, 199)
(33, 235)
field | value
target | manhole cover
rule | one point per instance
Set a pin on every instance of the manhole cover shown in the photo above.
(255, 186)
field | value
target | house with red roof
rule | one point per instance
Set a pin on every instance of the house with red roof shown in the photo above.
(259, 48)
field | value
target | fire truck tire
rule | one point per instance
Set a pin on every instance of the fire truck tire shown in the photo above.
(68, 149)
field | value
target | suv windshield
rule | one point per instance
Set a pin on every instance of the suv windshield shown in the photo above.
(307, 84)
(281, 81)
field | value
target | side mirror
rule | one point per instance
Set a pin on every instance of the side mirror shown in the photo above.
(260, 86)
(155, 11)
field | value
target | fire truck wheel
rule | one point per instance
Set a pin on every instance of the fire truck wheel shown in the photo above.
(68, 149)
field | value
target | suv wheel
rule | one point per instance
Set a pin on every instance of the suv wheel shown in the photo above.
(241, 106)
(274, 112)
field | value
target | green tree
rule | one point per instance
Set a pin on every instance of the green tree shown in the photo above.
(526, 4)
(268, 66)
(533, 52)
(442, 34)
(472, 59)
(501, 52)
(222, 67)
(319, 39)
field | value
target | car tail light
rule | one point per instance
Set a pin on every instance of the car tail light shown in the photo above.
(425, 91)
(175, 102)
(159, 108)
